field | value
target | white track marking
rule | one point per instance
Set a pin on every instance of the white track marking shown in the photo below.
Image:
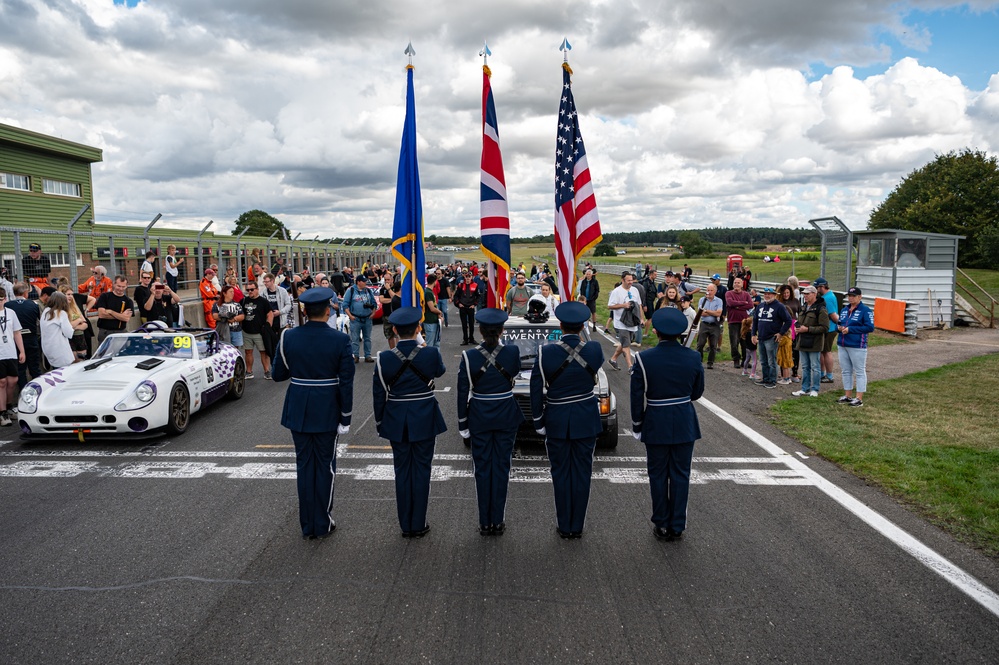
(928, 557)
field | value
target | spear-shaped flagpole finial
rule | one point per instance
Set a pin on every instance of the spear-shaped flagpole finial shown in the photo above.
(410, 51)
(485, 53)
(565, 48)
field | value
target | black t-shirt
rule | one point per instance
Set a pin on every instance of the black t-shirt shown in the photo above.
(445, 287)
(386, 308)
(160, 310)
(113, 303)
(27, 313)
(255, 310)
(40, 267)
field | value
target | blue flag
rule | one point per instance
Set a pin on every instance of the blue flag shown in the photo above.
(407, 230)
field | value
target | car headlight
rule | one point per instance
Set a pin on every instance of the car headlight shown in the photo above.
(143, 394)
(29, 398)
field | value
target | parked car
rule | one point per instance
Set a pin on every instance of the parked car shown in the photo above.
(137, 384)
(528, 337)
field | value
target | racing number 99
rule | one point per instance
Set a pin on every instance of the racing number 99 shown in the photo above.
(181, 342)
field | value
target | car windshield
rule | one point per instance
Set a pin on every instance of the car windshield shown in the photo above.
(164, 346)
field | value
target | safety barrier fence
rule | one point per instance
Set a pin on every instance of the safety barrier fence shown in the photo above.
(122, 250)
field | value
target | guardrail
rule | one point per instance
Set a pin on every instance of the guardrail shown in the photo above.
(989, 306)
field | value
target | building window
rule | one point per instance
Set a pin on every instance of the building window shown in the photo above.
(15, 181)
(56, 259)
(60, 188)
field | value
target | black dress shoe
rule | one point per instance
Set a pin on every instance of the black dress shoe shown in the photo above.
(576, 535)
(563, 534)
(675, 535)
(498, 529)
(661, 533)
(485, 530)
(419, 534)
(308, 536)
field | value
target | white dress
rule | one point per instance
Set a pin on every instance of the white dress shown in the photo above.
(55, 339)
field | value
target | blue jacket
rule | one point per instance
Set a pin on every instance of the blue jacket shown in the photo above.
(769, 319)
(860, 322)
(665, 382)
(319, 363)
(414, 414)
(490, 405)
(570, 409)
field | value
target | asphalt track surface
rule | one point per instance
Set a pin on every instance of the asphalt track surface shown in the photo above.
(188, 550)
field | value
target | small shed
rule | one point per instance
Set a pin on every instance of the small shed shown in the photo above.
(912, 266)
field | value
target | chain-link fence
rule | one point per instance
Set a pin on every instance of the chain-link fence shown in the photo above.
(837, 252)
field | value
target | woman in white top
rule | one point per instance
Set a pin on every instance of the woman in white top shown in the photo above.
(56, 331)
(11, 353)
(551, 301)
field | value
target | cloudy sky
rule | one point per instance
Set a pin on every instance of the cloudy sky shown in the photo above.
(695, 113)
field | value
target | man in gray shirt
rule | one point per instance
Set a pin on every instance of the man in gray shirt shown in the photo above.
(709, 329)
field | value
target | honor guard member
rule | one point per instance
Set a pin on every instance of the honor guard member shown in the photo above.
(407, 414)
(317, 406)
(567, 414)
(665, 381)
(488, 416)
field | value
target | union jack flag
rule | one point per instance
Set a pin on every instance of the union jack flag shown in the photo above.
(577, 224)
(493, 210)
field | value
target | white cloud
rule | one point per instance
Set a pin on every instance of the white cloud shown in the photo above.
(695, 113)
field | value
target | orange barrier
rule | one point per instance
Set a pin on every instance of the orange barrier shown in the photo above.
(889, 314)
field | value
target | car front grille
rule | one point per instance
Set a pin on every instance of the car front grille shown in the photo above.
(524, 402)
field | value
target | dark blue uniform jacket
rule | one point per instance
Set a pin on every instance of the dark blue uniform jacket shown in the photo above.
(319, 362)
(664, 382)
(570, 409)
(409, 411)
(490, 405)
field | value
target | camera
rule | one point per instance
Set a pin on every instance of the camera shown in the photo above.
(369, 305)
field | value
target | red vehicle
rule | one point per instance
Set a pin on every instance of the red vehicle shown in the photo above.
(734, 262)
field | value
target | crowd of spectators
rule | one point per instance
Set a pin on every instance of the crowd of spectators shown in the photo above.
(772, 333)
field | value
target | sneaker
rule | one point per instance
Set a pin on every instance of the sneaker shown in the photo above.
(844, 400)
(813, 393)
(799, 393)
(856, 402)
(12, 411)
(826, 379)
(267, 375)
(760, 382)
(745, 373)
(369, 359)
(248, 375)
(770, 385)
(711, 365)
(613, 363)
(795, 379)
(5, 420)
(356, 359)
(784, 382)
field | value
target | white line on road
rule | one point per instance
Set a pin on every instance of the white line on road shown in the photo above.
(928, 557)
(343, 452)
(439, 472)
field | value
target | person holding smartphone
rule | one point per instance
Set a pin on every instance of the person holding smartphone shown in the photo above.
(155, 299)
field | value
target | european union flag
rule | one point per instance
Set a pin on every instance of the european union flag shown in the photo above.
(407, 231)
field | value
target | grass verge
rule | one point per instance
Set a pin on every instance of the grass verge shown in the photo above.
(927, 444)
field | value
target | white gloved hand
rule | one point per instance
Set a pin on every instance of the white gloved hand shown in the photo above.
(541, 431)
(465, 434)
(637, 435)
(342, 429)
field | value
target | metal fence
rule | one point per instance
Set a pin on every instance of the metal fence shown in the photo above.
(122, 251)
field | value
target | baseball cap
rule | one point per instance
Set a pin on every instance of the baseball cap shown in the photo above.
(853, 291)
(209, 271)
(821, 281)
(768, 290)
(716, 276)
(687, 298)
(809, 289)
(34, 247)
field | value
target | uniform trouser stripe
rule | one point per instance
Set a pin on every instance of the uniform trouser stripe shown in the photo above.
(491, 458)
(315, 461)
(412, 461)
(669, 482)
(572, 470)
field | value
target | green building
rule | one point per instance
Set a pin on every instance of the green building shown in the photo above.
(44, 181)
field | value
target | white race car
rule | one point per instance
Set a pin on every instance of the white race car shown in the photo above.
(137, 384)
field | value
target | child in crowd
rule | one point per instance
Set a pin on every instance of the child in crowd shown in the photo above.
(748, 348)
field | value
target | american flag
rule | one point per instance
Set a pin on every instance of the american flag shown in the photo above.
(577, 224)
(493, 210)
